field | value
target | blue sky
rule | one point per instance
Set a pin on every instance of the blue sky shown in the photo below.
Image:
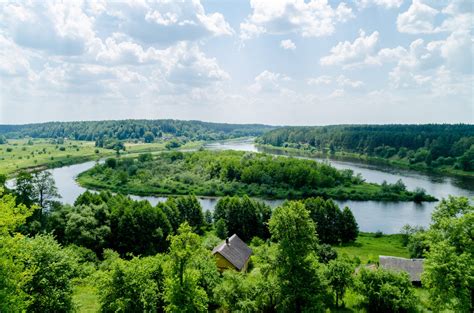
(285, 62)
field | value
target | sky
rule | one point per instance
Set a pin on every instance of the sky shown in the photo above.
(279, 62)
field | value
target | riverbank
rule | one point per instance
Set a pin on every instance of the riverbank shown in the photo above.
(363, 158)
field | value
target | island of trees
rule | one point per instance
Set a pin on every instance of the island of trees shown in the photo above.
(444, 147)
(213, 173)
(121, 255)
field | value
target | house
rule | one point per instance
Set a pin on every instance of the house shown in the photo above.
(232, 253)
(414, 267)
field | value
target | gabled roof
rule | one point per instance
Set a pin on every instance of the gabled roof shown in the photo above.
(414, 267)
(235, 251)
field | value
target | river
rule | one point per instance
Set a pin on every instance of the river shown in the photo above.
(371, 216)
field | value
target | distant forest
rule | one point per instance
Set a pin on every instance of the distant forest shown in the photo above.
(145, 130)
(429, 145)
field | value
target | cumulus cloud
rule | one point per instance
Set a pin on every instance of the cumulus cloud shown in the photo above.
(287, 44)
(60, 28)
(421, 18)
(314, 18)
(268, 81)
(350, 54)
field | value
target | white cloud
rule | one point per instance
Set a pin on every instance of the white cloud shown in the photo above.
(287, 44)
(60, 28)
(388, 4)
(419, 18)
(341, 81)
(309, 19)
(13, 62)
(268, 81)
(353, 54)
(321, 80)
(344, 81)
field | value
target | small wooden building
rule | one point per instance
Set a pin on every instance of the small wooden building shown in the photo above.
(233, 253)
(414, 267)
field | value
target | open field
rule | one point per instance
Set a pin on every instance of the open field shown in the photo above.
(20, 154)
(368, 247)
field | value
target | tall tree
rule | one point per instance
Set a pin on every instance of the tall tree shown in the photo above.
(448, 269)
(45, 189)
(349, 227)
(340, 277)
(302, 287)
(183, 292)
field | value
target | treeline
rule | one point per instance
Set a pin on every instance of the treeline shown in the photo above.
(143, 130)
(211, 173)
(431, 145)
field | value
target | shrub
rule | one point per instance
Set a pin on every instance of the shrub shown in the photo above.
(385, 291)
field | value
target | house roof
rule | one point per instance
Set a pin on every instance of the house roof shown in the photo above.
(414, 267)
(235, 251)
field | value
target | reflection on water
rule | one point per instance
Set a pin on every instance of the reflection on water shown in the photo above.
(372, 216)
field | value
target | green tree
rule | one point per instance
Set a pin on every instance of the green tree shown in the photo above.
(148, 137)
(24, 188)
(385, 291)
(132, 286)
(448, 268)
(466, 161)
(183, 292)
(349, 228)
(51, 269)
(13, 278)
(339, 275)
(221, 229)
(302, 285)
(190, 210)
(45, 189)
(88, 226)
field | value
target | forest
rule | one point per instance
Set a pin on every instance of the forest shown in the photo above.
(115, 254)
(213, 173)
(142, 130)
(417, 146)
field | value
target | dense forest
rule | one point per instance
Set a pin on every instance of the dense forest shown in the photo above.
(131, 256)
(429, 145)
(213, 173)
(144, 130)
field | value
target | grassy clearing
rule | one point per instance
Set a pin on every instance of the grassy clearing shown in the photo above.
(368, 247)
(44, 153)
(85, 297)
(24, 154)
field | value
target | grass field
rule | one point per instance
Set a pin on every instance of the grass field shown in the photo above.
(368, 247)
(85, 297)
(44, 153)
(20, 154)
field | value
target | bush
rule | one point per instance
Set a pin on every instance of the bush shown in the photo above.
(132, 286)
(385, 291)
